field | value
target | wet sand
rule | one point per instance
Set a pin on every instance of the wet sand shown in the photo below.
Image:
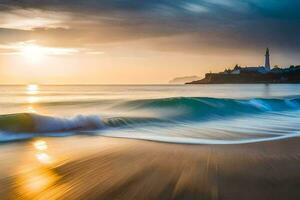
(110, 168)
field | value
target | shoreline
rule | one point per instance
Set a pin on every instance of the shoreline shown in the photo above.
(114, 168)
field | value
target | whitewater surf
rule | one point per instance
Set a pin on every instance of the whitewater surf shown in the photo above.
(194, 120)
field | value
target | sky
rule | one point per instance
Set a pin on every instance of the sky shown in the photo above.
(141, 41)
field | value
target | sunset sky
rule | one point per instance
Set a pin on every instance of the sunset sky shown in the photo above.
(141, 42)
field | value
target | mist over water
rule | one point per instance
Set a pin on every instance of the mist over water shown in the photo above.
(197, 114)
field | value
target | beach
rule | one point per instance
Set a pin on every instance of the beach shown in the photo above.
(111, 168)
(150, 142)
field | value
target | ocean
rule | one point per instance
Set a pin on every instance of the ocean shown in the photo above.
(191, 114)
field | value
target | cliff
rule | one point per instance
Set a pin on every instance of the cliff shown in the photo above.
(249, 78)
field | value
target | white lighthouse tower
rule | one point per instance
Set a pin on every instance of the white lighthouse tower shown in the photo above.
(267, 60)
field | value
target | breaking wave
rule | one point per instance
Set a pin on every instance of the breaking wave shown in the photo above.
(167, 112)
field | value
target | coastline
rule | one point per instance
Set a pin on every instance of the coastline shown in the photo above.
(111, 168)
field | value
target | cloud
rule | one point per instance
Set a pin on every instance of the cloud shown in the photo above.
(95, 52)
(196, 8)
(31, 47)
(191, 25)
(30, 19)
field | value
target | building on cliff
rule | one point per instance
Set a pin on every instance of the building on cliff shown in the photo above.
(261, 69)
(261, 74)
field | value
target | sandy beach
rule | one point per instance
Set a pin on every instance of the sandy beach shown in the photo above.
(110, 168)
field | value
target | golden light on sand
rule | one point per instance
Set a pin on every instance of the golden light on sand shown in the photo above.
(35, 177)
(40, 145)
(36, 180)
(43, 158)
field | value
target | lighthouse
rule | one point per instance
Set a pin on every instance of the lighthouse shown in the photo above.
(267, 60)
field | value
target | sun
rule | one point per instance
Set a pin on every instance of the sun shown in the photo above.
(32, 52)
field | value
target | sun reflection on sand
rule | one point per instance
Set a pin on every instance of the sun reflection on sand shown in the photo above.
(41, 154)
(40, 145)
(43, 158)
(35, 177)
(34, 181)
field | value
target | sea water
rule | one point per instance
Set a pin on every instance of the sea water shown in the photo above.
(195, 114)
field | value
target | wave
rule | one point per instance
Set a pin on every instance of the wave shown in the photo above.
(28, 122)
(167, 111)
(196, 104)
(204, 108)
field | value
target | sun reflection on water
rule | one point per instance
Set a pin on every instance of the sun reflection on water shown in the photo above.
(31, 109)
(32, 89)
(31, 99)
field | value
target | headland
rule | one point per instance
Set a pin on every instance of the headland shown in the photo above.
(250, 75)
